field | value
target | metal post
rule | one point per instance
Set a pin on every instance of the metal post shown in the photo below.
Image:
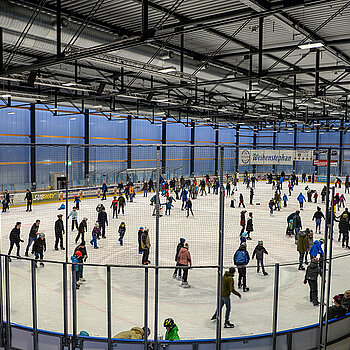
(32, 147)
(221, 250)
(216, 160)
(59, 28)
(275, 307)
(317, 145)
(146, 310)
(129, 141)
(274, 145)
(328, 219)
(341, 141)
(74, 306)
(317, 74)
(86, 142)
(295, 145)
(237, 146)
(2, 340)
(156, 271)
(67, 209)
(109, 308)
(192, 148)
(330, 257)
(7, 303)
(164, 147)
(144, 19)
(34, 306)
(65, 304)
(261, 38)
(254, 147)
(1, 50)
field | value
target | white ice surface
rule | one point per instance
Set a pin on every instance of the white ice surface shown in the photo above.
(191, 308)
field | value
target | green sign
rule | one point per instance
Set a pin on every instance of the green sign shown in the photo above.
(69, 163)
(45, 196)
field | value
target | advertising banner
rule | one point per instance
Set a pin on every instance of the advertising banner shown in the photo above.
(303, 155)
(323, 162)
(266, 157)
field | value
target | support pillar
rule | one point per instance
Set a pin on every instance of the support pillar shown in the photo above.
(164, 147)
(86, 142)
(1, 50)
(32, 147)
(237, 145)
(216, 165)
(295, 144)
(129, 141)
(192, 148)
(144, 19)
(261, 38)
(254, 147)
(274, 146)
(317, 74)
(59, 28)
(317, 145)
(341, 142)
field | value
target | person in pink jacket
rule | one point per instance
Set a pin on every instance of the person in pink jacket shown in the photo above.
(184, 259)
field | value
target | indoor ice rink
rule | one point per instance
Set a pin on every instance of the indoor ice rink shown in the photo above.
(181, 110)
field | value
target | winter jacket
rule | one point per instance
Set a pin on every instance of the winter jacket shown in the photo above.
(59, 228)
(83, 252)
(188, 204)
(145, 241)
(336, 311)
(316, 248)
(285, 198)
(134, 333)
(96, 231)
(184, 257)
(75, 260)
(33, 231)
(297, 221)
(114, 203)
(259, 252)
(122, 230)
(227, 284)
(242, 220)
(345, 303)
(172, 334)
(250, 225)
(121, 201)
(301, 198)
(15, 235)
(73, 214)
(183, 195)
(39, 245)
(344, 226)
(82, 227)
(179, 246)
(312, 272)
(29, 196)
(302, 245)
(318, 215)
(102, 218)
(310, 242)
(241, 257)
(104, 187)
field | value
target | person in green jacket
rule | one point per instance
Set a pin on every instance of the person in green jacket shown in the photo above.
(227, 289)
(171, 330)
(303, 247)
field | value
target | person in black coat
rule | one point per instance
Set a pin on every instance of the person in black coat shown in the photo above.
(188, 207)
(29, 198)
(344, 230)
(59, 231)
(259, 252)
(39, 248)
(336, 310)
(249, 227)
(102, 221)
(81, 248)
(15, 238)
(33, 235)
(311, 275)
(139, 234)
(81, 230)
(251, 196)
(179, 246)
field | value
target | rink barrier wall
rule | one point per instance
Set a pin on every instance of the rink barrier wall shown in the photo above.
(293, 339)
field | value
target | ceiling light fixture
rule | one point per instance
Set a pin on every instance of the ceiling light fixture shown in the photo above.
(6, 96)
(252, 91)
(309, 46)
(11, 112)
(68, 84)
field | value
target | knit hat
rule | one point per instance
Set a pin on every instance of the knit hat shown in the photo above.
(96, 224)
(337, 299)
(182, 240)
(85, 218)
(186, 245)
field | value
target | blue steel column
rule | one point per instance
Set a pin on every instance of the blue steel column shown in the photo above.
(7, 303)
(32, 147)
(275, 307)
(192, 149)
(129, 141)
(34, 306)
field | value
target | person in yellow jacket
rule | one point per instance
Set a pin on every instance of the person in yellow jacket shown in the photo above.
(134, 333)
(131, 193)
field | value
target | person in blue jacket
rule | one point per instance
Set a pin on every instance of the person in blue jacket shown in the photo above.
(301, 199)
(285, 199)
(183, 197)
(241, 260)
(281, 182)
(104, 190)
(316, 249)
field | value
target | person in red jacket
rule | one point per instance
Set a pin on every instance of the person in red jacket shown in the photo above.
(114, 205)
(184, 259)
(242, 222)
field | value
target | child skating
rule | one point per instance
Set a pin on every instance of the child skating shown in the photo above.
(121, 231)
(259, 252)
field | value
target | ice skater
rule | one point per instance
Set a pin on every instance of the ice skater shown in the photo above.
(177, 269)
(249, 227)
(102, 221)
(318, 216)
(302, 248)
(59, 232)
(311, 276)
(81, 230)
(121, 231)
(171, 330)
(227, 288)
(121, 203)
(188, 207)
(145, 245)
(77, 201)
(76, 267)
(241, 201)
(39, 248)
(301, 199)
(242, 221)
(285, 200)
(29, 198)
(104, 190)
(139, 235)
(74, 215)
(33, 235)
(96, 232)
(183, 196)
(184, 260)
(259, 252)
(241, 260)
(15, 238)
(114, 206)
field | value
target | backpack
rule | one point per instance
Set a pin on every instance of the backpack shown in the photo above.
(291, 224)
(241, 257)
(100, 207)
